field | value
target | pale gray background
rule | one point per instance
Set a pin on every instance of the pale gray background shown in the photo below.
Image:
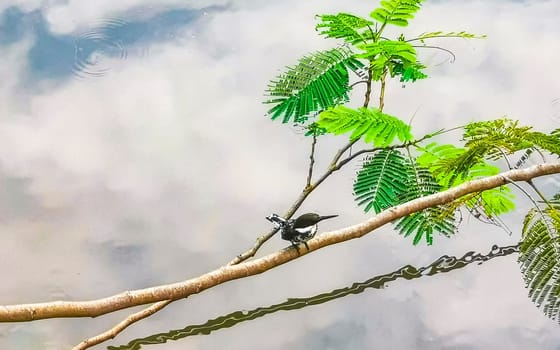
(165, 167)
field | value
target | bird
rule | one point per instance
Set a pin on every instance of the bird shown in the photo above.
(298, 230)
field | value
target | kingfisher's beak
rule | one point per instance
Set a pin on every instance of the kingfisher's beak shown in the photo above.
(327, 217)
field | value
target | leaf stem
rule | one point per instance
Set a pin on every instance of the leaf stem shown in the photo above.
(311, 161)
(382, 90)
(453, 57)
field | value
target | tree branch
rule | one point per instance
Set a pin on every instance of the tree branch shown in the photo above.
(334, 166)
(179, 290)
(121, 326)
(443, 264)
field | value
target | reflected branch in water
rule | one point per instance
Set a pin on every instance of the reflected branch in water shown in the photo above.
(442, 265)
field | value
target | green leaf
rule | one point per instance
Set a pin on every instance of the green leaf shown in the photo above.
(440, 34)
(376, 127)
(389, 178)
(315, 130)
(493, 139)
(539, 259)
(437, 159)
(408, 71)
(381, 181)
(396, 12)
(490, 140)
(423, 224)
(440, 159)
(345, 26)
(389, 50)
(317, 82)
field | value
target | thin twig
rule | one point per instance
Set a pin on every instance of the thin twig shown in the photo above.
(382, 91)
(453, 57)
(375, 149)
(367, 95)
(311, 161)
(121, 326)
(358, 82)
(441, 36)
(505, 156)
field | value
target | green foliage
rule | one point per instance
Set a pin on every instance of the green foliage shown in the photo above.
(390, 49)
(494, 202)
(381, 181)
(376, 127)
(350, 28)
(388, 179)
(396, 12)
(382, 51)
(420, 183)
(434, 156)
(408, 71)
(496, 137)
(431, 35)
(315, 130)
(317, 82)
(437, 159)
(490, 140)
(540, 258)
(398, 57)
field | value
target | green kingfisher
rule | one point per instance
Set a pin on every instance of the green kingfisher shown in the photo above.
(298, 230)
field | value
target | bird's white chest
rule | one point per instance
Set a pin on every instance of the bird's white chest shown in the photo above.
(308, 231)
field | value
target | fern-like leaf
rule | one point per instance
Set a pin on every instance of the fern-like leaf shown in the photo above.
(376, 127)
(381, 181)
(494, 202)
(492, 140)
(420, 183)
(396, 12)
(435, 157)
(500, 136)
(389, 49)
(397, 56)
(540, 259)
(431, 35)
(317, 82)
(345, 26)
(440, 159)
(408, 71)
(389, 178)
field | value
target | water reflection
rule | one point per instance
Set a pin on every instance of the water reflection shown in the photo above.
(442, 265)
(95, 49)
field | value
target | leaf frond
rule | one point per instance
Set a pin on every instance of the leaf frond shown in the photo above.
(423, 224)
(372, 124)
(488, 140)
(388, 49)
(539, 259)
(441, 159)
(396, 12)
(381, 181)
(317, 82)
(350, 28)
(440, 34)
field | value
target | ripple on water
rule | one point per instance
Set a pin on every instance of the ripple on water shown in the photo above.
(98, 49)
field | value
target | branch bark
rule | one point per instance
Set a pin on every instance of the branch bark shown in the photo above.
(111, 333)
(94, 308)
